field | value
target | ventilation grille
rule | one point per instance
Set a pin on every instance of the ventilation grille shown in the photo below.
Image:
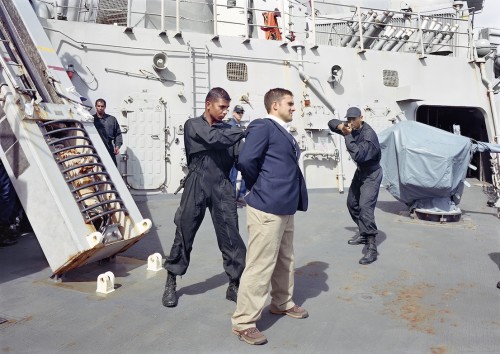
(391, 78)
(237, 71)
(112, 11)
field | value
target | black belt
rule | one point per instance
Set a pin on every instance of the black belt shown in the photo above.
(370, 168)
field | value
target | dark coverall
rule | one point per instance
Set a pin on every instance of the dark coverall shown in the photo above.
(10, 207)
(233, 175)
(110, 132)
(210, 152)
(364, 148)
(9, 204)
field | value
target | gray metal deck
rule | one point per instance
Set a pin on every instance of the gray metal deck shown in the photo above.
(433, 290)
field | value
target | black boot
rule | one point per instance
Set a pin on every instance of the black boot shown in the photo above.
(169, 298)
(371, 253)
(357, 240)
(232, 291)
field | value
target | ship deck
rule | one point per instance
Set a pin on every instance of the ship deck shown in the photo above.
(432, 290)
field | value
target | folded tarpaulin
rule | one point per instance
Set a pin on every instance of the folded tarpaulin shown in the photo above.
(421, 163)
(485, 147)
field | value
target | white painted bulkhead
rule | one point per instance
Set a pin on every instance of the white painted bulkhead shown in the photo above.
(116, 66)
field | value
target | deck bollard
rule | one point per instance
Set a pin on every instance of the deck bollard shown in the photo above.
(154, 262)
(106, 283)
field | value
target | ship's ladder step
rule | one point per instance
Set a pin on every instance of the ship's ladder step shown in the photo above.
(84, 173)
(200, 62)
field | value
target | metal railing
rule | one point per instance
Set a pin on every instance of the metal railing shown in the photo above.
(344, 25)
(369, 28)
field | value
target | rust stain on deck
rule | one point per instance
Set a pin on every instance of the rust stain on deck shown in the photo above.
(413, 303)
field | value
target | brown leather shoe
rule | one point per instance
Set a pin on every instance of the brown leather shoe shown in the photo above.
(251, 336)
(295, 312)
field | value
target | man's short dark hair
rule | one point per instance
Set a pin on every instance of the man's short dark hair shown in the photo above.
(100, 100)
(217, 93)
(275, 95)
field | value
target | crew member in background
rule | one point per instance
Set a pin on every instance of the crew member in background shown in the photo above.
(108, 129)
(10, 209)
(235, 177)
(363, 146)
(210, 154)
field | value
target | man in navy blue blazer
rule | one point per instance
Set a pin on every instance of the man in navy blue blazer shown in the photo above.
(268, 162)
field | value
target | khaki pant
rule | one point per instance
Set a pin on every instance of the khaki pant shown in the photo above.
(269, 260)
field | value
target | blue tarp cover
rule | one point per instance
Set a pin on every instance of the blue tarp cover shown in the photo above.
(421, 162)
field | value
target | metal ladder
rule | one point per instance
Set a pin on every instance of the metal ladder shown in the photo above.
(83, 171)
(200, 62)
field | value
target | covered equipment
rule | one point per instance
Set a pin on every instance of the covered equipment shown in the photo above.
(425, 167)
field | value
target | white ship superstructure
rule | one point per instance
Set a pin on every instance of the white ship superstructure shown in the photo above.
(154, 62)
(433, 287)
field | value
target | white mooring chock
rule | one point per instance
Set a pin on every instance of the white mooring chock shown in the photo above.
(106, 283)
(154, 262)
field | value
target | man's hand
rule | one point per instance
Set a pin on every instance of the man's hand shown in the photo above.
(344, 128)
(117, 150)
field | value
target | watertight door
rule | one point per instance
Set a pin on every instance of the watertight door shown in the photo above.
(146, 117)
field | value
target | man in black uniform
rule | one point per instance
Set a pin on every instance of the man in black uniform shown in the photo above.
(211, 147)
(108, 128)
(10, 209)
(363, 146)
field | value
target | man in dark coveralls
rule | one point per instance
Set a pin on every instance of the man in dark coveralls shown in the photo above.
(211, 148)
(108, 128)
(9, 209)
(238, 112)
(363, 146)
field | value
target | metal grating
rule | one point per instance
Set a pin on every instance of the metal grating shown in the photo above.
(237, 71)
(84, 172)
(391, 78)
(112, 11)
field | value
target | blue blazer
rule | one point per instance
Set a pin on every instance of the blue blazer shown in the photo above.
(268, 163)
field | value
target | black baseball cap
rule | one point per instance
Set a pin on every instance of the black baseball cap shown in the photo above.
(353, 112)
(238, 109)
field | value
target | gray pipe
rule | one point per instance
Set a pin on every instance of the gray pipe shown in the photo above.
(389, 31)
(494, 113)
(340, 165)
(403, 40)
(394, 41)
(449, 35)
(437, 38)
(431, 34)
(353, 27)
(355, 39)
(425, 23)
(62, 9)
(432, 24)
(307, 80)
(443, 46)
(375, 29)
